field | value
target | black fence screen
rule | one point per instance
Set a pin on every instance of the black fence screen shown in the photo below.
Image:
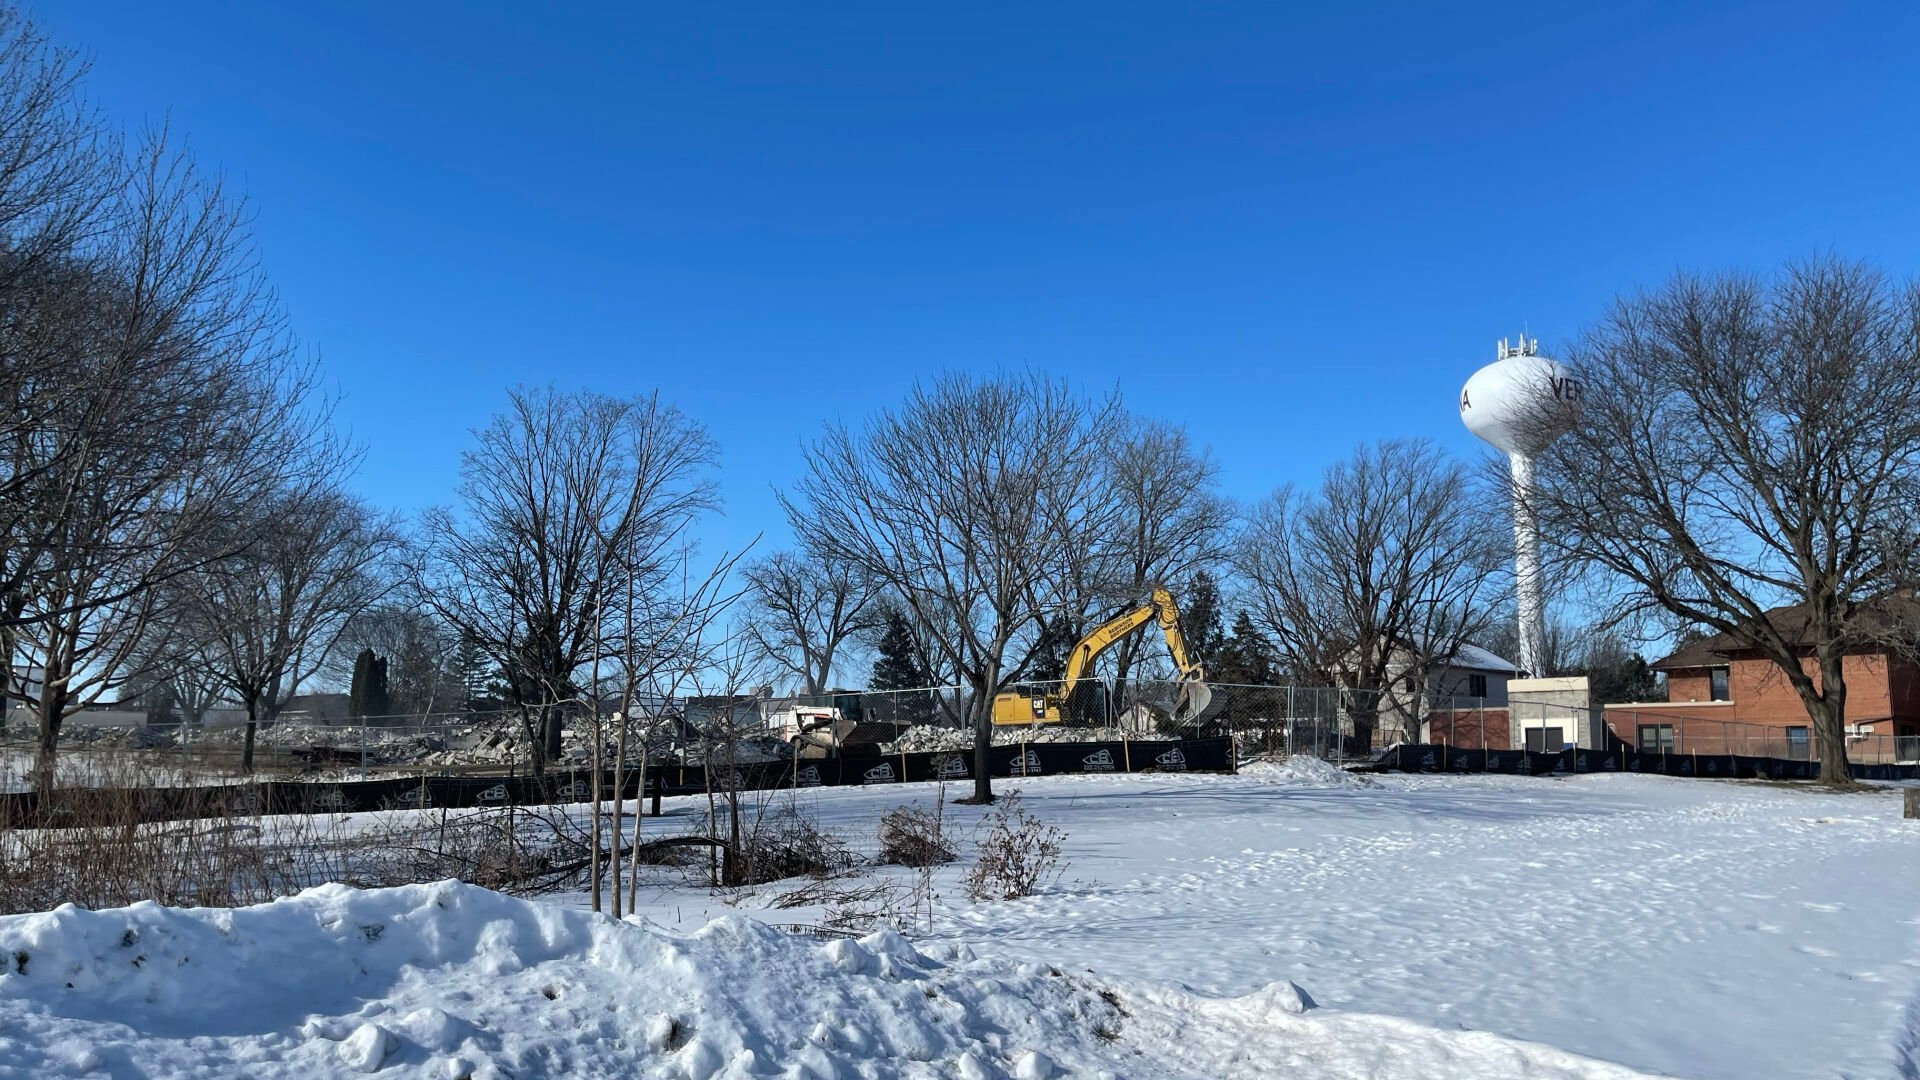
(459, 792)
(1447, 759)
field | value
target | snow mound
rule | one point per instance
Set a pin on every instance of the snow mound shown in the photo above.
(453, 980)
(1302, 770)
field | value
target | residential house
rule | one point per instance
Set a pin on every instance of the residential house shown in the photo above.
(1471, 682)
(1725, 698)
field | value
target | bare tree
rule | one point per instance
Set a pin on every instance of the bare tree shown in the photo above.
(264, 621)
(565, 500)
(1746, 462)
(420, 649)
(163, 317)
(968, 503)
(148, 387)
(1376, 577)
(168, 674)
(803, 607)
(665, 641)
(1171, 520)
(1563, 650)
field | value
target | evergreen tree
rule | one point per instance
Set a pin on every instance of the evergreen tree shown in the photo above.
(1247, 658)
(1200, 618)
(368, 694)
(1616, 674)
(899, 667)
(475, 675)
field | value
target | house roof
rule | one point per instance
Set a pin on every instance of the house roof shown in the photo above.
(1894, 613)
(1469, 657)
(1475, 658)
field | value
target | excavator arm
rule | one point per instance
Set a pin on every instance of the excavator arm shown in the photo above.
(1194, 697)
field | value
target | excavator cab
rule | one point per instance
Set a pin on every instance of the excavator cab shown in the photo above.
(1024, 705)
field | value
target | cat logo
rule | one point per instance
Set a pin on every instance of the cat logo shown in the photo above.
(1098, 761)
(247, 802)
(1713, 765)
(949, 766)
(807, 777)
(1607, 765)
(1427, 761)
(1459, 764)
(496, 793)
(879, 774)
(1526, 763)
(1686, 766)
(580, 792)
(329, 799)
(1027, 764)
(1172, 760)
(1493, 761)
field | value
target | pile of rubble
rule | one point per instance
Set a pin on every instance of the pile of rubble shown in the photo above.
(927, 737)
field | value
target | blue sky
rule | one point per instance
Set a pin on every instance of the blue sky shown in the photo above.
(1293, 230)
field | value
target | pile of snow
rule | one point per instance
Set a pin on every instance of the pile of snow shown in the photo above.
(1302, 770)
(450, 980)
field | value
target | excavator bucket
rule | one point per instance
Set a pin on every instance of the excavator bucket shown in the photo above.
(1196, 703)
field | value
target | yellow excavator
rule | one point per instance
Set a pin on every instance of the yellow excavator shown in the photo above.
(1193, 703)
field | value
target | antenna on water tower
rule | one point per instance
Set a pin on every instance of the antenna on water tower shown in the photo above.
(1520, 403)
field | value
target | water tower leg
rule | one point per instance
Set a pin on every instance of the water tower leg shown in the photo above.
(1526, 566)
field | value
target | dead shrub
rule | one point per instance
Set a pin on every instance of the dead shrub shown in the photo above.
(911, 836)
(515, 849)
(785, 842)
(1016, 857)
(96, 848)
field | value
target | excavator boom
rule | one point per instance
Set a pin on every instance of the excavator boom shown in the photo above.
(1194, 703)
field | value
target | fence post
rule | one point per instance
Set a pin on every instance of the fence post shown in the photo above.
(1291, 721)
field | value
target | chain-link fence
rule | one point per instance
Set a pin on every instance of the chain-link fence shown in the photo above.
(93, 754)
(1337, 724)
(1677, 730)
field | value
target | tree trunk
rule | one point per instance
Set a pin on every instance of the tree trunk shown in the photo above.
(1363, 734)
(550, 732)
(982, 745)
(532, 729)
(253, 723)
(1828, 712)
(53, 703)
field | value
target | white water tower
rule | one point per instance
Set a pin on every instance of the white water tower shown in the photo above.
(1520, 403)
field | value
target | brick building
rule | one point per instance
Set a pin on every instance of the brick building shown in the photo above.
(1726, 699)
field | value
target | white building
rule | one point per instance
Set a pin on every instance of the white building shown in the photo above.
(1472, 679)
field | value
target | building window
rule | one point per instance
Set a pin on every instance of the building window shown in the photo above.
(1545, 740)
(1656, 738)
(1477, 686)
(1797, 744)
(1717, 685)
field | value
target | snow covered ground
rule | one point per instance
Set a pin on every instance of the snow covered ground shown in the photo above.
(1693, 928)
(1446, 927)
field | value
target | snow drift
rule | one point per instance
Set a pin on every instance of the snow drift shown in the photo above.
(1302, 770)
(453, 980)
